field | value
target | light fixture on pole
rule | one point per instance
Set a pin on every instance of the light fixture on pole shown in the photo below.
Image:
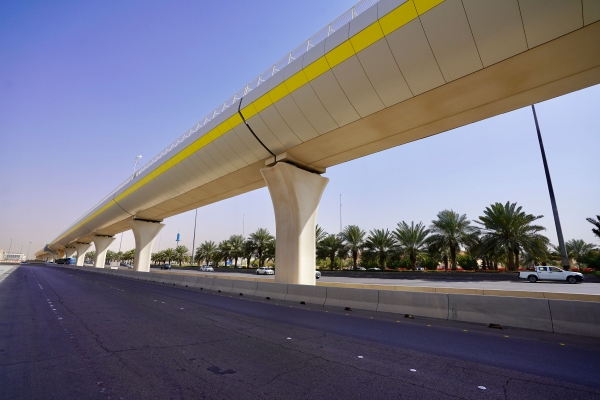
(137, 161)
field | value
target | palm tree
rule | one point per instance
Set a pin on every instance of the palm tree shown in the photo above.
(248, 251)
(578, 249)
(596, 223)
(169, 255)
(451, 230)
(181, 254)
(206, 252)
(261, 239)
(236, 248)
(128, 255)
(355, 240)
(90, 256)
(381, 243)
(270, 251)
(412, 241)
(330, 247)
(507, 228)
(320, 234)
(224, 251)
(440, 253)
(111, 256)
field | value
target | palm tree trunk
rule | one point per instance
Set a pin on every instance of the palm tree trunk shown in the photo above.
(453, 257)
(355, 258)
(445, 263)
(509, 264)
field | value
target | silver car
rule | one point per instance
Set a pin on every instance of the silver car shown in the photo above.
(265, 271)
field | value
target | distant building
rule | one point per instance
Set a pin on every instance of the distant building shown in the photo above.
(14, 257)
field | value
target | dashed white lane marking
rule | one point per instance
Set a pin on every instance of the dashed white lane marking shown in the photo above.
(413, 370)
(481, 387)
(360, 356)
(40, 286)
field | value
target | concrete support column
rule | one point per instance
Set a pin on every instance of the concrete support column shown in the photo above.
(144, 232)
(101, 243)
(69, 251)
(81, 249)
(296, 194)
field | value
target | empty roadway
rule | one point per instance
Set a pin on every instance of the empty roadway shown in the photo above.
(72, 334)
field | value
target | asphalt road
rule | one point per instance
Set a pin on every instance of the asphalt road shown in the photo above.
(67, 334)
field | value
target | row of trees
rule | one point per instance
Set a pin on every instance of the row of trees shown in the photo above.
(259, 246)
(505, 235)
(125, 256)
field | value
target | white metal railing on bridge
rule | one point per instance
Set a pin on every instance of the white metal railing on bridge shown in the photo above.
(317, 38)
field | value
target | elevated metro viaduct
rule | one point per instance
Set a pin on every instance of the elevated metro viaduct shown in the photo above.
(386, 73)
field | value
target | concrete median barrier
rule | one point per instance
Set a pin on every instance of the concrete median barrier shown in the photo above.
(517, 312)
(189, 281)
(244, 287)
(224, 285)
(433, 305)
(275, 291)
(575, 317)
(162, 278)
(177, 280)
(307, 293)
(204, 283)
(361, 299)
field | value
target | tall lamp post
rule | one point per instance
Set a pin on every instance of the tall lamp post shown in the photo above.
(561, 241)
(194, 239)
(137, 161)
(9, 247)
(28, 248)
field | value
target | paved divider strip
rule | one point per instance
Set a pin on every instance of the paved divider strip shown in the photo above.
(564, 313)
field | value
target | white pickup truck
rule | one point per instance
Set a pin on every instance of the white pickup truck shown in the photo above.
(550, 274)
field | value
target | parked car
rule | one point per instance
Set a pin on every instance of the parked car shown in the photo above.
(551, 274)
(207, 268)
(317, 274)
(165, 266)
(361, 269)
(264, 271)
(374, 269)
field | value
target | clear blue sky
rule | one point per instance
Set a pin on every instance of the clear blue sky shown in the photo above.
(86, 86)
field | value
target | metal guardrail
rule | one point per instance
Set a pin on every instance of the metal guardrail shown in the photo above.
(317, 38)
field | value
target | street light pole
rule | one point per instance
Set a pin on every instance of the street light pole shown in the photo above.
(561, 241)
(28, 248)
(137, 160)
(194, 239)
(9, 247)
